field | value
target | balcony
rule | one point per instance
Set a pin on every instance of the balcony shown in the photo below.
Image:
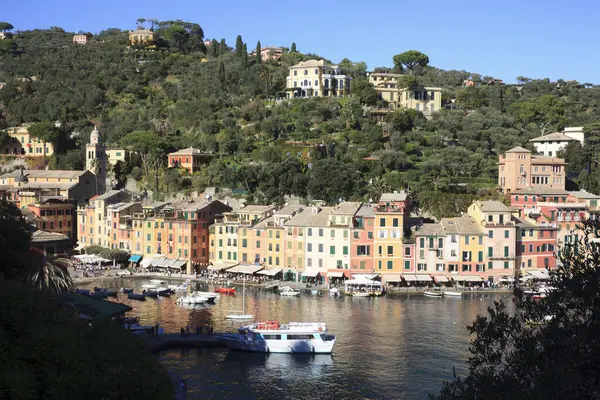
(488, 224)
(511, 256)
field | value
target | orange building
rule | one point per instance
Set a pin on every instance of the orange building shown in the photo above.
(519, 169)
(55, 215)
(189, 159)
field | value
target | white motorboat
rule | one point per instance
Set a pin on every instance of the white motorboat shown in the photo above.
(452, 293)
(334, 292)
(211, 297)
(273, 337)
(433, 294)
(157, 282)
(242, 315)
(288, 291)
(191, 299)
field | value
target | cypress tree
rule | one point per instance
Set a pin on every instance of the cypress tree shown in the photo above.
(258, 57)
(239, 47)
(293, 49)
(222, 73)
(222, 47)
(214, 48)
(245, 57)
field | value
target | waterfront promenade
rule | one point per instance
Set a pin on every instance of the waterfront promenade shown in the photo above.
(268, 285)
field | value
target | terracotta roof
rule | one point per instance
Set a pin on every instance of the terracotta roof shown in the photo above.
(518, 149)
(42, 173)
(464, 225)
(190, 151)
(44, 236)
(396, 196)
(346, 208)
(492, 206)
(541, 190)
(556, 136)
(436, 229)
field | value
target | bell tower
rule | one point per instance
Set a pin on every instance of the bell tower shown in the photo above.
(95, 159)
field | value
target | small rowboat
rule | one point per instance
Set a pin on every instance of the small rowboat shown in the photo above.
(433, 294)
(451, 293)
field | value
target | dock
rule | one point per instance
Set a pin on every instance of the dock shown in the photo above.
(175, 340)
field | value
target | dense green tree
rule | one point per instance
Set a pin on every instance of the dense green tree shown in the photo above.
(540, 349)
(214, 48)
(239, 47)
(147, 144)
(50, 358)
(5, 27)
(14, 241)
(258, 57)
(245, 57)
(293, 48)
(45, 131)
(223, 47)
(412, 60)
(545, 112)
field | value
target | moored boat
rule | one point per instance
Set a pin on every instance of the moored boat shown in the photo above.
(126, 290)
(149, 286)
(191, 299)
(99, 295)
(452, 293)
(151, 293)
(136, 296)
(433, 293)
(156, 281)
(210, 297)
(82, 291)
(273, 337)
(288, 291)
(223, 290)
(99, 289)
(334, 292)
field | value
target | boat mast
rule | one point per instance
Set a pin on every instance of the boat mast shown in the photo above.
(244, 296)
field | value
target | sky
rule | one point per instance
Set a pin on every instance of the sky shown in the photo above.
(556, 39)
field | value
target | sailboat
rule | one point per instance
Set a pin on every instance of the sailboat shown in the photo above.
(243, 315)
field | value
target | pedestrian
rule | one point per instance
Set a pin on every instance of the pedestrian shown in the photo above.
(156, 330)
(182, 331)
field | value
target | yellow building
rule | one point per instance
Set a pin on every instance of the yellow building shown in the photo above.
(20, 142)
(390, 215)
(140, 36)
(471, 248)
(114, 154)
(232, 237)
(425, 99)
(313, 78)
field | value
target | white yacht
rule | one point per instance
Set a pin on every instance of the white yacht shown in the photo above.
(288, 291)
(211, 297)
(273, 337)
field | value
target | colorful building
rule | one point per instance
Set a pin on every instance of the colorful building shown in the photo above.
(313, 78)
(20, 142)
(391, 213)
(55, 215)
(190, 159)
(519, 169)
(362, 242)
(536, 245)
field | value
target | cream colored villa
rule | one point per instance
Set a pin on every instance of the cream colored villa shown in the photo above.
(314, 78)
(425, 99)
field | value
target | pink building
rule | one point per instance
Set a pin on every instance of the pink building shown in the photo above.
(519, 169)
(361, 248)
(269, 53)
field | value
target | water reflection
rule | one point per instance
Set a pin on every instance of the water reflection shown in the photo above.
(397, 346)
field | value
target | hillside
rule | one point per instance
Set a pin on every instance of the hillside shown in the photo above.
(220, 99)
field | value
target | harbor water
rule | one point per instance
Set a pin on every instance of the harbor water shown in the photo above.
(392, 347)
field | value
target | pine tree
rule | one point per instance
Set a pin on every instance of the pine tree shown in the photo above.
(222, 47)
(245, 57)
(293, 49)
(258, 56)
(214, 48)
(239, 47)
(222, 73)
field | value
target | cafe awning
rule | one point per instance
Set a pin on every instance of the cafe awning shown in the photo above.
(410, 277)
(467, 278)
(311, 273)
(135, 258)
(368, 276)
(167, 263)
(336, 274)
(270, 272)
(220, 266)
(440, 278)
(394, 279)
(539, 274)
(245, 268)
(423, 278)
